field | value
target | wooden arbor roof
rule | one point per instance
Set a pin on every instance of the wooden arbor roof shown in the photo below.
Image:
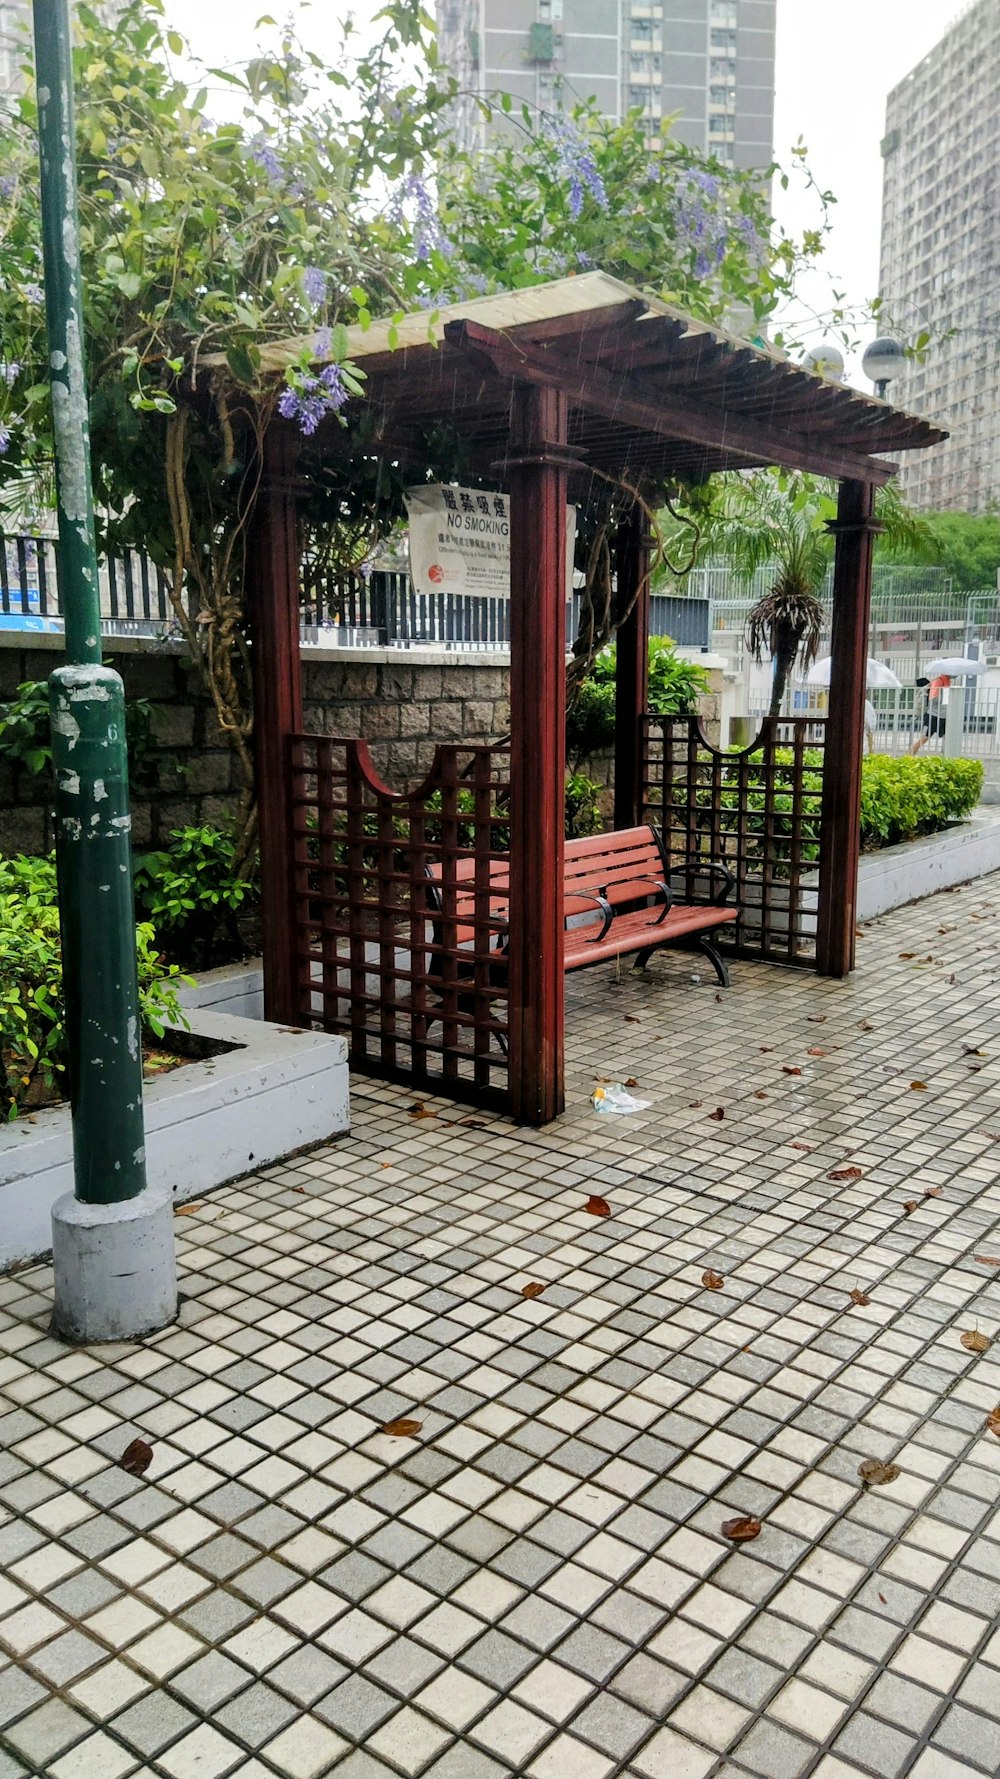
(653, 394)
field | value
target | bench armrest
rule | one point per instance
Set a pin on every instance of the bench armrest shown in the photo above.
(668, 897)
(721, 869)
(603, 904)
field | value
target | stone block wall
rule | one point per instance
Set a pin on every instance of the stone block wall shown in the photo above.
(403, 708)
(403, 705)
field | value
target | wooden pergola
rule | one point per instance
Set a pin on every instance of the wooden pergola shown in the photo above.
(547, 388)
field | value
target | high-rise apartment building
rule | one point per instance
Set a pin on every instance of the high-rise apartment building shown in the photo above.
(708, 63)
(940, 269)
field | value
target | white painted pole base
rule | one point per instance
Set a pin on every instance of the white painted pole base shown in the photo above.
(115, 1268)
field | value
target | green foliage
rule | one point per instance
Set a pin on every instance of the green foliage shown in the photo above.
(33, 1054)
(583, 810)
(902, 797)
(675, 685)
(968, 547)
(25, 739)
(192, 895)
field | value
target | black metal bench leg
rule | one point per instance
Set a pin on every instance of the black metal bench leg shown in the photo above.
(717, 962)
(643, 957)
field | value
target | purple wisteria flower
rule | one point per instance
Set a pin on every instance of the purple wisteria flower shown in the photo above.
(701, 223)
(34, 294)
(310, 399)
(262, 152)
(8, 185)
(314, 285)
(10, 372)
(323, 343)
(428, 235)
(4, 439)
(576, 163)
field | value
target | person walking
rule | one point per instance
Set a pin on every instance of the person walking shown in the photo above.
(933, 717)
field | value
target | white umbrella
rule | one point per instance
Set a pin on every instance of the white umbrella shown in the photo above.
(877, 675)
(952, 667)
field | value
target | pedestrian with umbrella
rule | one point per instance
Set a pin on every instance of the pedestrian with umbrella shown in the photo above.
(935, 682)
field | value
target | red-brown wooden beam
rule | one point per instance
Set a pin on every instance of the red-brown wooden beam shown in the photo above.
(632, 659)
(272, 581)
(655, 409)
(840, 826)
(537, 473)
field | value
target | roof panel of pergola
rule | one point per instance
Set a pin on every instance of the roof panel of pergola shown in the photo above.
(653, 395)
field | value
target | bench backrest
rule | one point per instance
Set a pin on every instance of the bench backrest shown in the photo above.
(623, 867)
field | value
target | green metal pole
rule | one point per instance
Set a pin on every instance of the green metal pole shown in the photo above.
(86, 700)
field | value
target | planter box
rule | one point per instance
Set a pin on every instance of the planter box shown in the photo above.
(901, 874)
(233, 988)
(272, 1090)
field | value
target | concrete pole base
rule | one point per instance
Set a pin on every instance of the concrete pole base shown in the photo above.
(115, 1268)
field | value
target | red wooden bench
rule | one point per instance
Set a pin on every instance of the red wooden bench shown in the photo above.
(616, 901)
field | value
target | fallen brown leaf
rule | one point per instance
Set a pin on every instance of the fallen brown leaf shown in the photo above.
(718, 997)
(598, 1207)
(846, 1173)
(865, 1025)
(883, 1600)
(136, 1458)
(994, 1135)
(918, 1086)
(532, 1290)
(632, 1019)
(786, 1069)
(693, 1105)
(910, 1205)
(972, 1050)
(765, 1048)
(631, 1082)
(296, 1188)
(402, 1429)
(816, 1018)
(932, 1191)
(804, 1146)
(761, 1094)
(420, 1111)
(814, 1050)
(741, 1530)
(712, 1281)
(988, 1259)
(874, 1474)
(187, 1210)
(718, 1115)
(905, 955)
(993, 1420)
(975, 1342)
(859, 1297)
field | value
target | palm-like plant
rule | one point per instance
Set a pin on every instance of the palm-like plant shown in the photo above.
(779, 520)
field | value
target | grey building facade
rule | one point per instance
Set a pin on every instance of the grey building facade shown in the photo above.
(707, 63)
(940, 259)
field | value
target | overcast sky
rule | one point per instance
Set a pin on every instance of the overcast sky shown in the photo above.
(835, 66)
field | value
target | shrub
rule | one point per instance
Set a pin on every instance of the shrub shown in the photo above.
(674, 689)
(583, 811)
(32, 1029)
(914, 794)
(192, 896)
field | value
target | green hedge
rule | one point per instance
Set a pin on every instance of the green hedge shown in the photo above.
(908, 795)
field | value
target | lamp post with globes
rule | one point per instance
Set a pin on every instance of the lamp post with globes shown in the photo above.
(882, 362)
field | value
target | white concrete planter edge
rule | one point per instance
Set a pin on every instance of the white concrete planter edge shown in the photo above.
(209, 1122)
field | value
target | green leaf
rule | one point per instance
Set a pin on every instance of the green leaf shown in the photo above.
(244, 362)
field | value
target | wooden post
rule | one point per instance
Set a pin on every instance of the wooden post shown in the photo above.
(840, 827)
(537, 465)
(632, 680)
(273, 608)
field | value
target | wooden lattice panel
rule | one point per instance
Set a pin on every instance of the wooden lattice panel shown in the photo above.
(757, 809)
(401, 934)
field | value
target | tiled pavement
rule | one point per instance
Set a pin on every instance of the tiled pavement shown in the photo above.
(537, 1582)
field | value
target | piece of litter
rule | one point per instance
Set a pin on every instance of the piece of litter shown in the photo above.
(616, 1098)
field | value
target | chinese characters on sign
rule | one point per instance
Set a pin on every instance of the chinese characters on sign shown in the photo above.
(460, 541)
